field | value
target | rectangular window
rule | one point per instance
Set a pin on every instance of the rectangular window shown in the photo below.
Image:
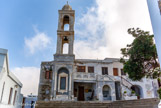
(90, 69)
(104, 71)
(81, 68)
(10, 96)
(15, 98)
(115, 71)
(122, 72)
(62, 83)
(48, 75)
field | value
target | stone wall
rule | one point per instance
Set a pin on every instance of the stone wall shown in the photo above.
(45, 85)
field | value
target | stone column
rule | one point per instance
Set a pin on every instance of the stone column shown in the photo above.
(53, 78)
(113, 91)
(71, 24)
(71, 45)
(59, 45)
(72, 88)
(55, 84)
(70, 85)
(60, 22)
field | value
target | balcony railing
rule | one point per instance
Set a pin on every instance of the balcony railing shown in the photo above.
(84, 76)
(92, 77)
(105, 78)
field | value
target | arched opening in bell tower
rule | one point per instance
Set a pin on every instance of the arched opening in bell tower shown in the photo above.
(66, 23)
(65, 45)
(65, 48)
(66, 27)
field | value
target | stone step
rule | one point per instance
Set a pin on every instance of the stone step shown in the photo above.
(77, 107)
(142, 103)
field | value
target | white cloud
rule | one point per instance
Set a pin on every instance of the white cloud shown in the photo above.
(29, 76)
(38, 42)
(102, 31)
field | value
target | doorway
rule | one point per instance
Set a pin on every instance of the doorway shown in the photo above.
(138, 91)
(80, 93)
(118, 90)
(106, 92)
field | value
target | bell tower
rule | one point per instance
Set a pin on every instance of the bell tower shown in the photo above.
(65, 34)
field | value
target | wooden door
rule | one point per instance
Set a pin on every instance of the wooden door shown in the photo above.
(81, 93)
(115, 71)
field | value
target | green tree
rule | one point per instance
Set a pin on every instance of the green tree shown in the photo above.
(140, 57)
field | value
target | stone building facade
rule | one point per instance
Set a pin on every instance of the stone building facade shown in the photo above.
(67, 78)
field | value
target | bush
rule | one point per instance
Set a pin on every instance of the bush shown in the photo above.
(132, 92)
(159, 92)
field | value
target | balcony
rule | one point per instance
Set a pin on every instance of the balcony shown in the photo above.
(87, 77)
(91, 77)
(105, 78)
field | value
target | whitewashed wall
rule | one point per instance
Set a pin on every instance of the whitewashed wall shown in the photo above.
(10, 81)
(146, 85)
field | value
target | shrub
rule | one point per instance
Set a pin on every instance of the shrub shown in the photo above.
(159, 92)
(132, 92)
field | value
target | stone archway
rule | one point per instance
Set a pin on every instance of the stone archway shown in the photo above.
(106, 91)
(138, 91)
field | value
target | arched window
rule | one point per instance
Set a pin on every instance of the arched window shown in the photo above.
(106, 92)
(65, 48)
(62, 80)
(66, 23)
(66, 27)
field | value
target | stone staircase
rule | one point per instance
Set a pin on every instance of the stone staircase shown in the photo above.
(126, 83)
(142, 103)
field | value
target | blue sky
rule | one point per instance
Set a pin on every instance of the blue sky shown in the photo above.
(28, 30)
(18, 19)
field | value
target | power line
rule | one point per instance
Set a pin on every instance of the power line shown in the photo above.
(77, 54)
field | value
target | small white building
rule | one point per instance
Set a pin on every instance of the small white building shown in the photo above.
(10, 86)
(29, 101)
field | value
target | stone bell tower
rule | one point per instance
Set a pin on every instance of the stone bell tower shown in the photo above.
(65, 36)
(63, 64)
